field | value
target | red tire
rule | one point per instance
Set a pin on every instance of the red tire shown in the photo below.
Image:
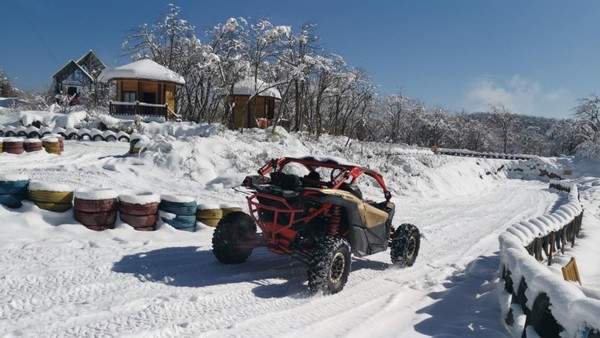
(138, 209)
(13, 147)
(139, 221)
(31, 147)
(96, 220)
(96, 205)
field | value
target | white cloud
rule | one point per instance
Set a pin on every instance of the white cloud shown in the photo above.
(520, 95)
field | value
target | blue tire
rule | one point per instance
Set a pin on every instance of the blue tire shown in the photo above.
(13, 187)
(12, 201)
(184, 209)
(182, 222)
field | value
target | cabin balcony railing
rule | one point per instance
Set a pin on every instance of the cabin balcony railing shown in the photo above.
(138, 108)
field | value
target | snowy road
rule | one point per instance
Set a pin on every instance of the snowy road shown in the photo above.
(67, 281)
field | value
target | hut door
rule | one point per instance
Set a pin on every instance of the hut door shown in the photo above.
(170, 97)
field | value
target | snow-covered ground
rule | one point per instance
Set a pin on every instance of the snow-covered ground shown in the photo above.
(60, 279)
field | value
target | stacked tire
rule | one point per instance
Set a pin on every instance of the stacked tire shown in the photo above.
(96, 209)
(51, 196)
(139, 210)
(209, 214)
(51, 144)
(13, 190)
(13, 145)
(32, 145)
(179, 211)
(228, 208)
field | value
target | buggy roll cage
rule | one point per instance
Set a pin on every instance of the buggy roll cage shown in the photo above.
(347, 171)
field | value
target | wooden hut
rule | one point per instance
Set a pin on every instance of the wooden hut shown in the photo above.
(254, 103)
(143, 88)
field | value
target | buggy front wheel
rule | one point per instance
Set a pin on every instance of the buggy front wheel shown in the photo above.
(404, 245)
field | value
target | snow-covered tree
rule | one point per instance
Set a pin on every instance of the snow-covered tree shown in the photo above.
(6, 89)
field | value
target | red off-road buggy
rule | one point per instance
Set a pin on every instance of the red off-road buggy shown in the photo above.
(319, 222)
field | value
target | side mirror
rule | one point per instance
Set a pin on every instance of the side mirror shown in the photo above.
(388, 195)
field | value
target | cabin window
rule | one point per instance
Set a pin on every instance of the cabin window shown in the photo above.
(149, 97)
(72, 91)
(129, 96)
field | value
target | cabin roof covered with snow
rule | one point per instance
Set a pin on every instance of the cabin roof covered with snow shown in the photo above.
(89, 64)
(144, 69)
(250, 87)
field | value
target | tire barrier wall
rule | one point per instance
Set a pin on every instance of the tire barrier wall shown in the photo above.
(96, 210)
(470, 153)
(67, 134)
(52, 197)
(534, 300)
(13, 190)
(140, 211)
(209, 214)
(179, 211)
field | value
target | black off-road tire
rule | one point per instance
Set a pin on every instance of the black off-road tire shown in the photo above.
(404, 245)
(234, 238)
(330, 266)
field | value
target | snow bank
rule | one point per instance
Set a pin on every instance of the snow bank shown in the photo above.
(569, 305)
(13, 177)
(177, 198)
(96, 195)
(50, 119)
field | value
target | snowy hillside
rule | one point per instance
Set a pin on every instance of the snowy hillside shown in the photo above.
(61, 279)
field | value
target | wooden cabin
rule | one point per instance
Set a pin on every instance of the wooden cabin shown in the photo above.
(254, 103)
(79, 77)
(143, 88)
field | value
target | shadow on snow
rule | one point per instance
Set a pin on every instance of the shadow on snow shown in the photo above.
(469, 305)
(193, 267)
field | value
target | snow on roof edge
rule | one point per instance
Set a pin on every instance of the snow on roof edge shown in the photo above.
(144, 69)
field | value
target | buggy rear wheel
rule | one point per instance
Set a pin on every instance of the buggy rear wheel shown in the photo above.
(404, 245)
(234, 238)
(330, 266)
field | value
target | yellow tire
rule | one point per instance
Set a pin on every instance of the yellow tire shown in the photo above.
(52, 148)
(56, 207)
(42, 196)
(230, 210)
(209, 213)
(211, 222)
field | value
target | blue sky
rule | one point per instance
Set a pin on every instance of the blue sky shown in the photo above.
(537, 57)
